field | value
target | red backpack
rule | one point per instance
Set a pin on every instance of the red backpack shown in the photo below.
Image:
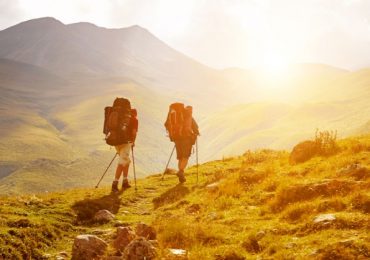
(179, 121)
(117, 119)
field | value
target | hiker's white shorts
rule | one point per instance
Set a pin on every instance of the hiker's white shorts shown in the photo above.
(123, 151)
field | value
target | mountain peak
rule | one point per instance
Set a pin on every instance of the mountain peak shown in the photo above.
(43, 22)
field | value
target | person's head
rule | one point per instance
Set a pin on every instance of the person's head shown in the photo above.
(134, 112)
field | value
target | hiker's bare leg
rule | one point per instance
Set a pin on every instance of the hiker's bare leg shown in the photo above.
(119, 170)
(125, 183)
(125, 170)
(183, 162)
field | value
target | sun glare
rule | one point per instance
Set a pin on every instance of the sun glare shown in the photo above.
(274, 64)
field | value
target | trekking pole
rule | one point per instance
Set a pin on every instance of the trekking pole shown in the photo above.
(164, 172)
(106, 170)
(133, 165)
(196, 144)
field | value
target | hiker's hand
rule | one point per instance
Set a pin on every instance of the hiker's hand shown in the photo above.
(133, 144)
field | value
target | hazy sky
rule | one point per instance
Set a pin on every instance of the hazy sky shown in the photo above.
(226, 33)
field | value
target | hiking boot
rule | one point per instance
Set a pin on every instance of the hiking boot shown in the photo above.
(181, 176)
(125, 184)
(115, 186)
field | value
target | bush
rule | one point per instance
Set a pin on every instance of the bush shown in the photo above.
(324, 144)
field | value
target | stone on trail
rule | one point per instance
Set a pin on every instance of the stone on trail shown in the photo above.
(324, 218)
(148, 232)
(213, 186)
(174, 254)
(88, 247)
(103, 216)
(124, 236)
(139, 249)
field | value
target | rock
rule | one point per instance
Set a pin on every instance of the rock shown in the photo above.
(103, 216)
(139, 249)
(212, 216)
(143, 230)
(45, 256)
(176, 254)
(124, 236)
(62, 256)
(119, 223)
(193, 209)
(324, 218)
(260, 234)
(87, 247)
(213, 186)
(63, 253)
(290, 245)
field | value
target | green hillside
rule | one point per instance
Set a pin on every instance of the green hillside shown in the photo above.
(337, 103)
(256, 205)
(52, 99)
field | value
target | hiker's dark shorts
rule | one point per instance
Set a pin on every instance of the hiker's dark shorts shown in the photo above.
(183, 148)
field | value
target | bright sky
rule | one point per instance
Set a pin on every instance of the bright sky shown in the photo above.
(227, 33)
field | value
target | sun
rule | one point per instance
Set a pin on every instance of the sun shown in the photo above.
(274, 64)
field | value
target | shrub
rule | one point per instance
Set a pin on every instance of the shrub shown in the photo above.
(259, 156)
(361, 202)
(251, 244)
(296, 213)
(324, 144)
(288, 195)
(330, 205)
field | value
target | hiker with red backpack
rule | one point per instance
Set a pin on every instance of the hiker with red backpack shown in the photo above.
(183, 131)
(120, 128)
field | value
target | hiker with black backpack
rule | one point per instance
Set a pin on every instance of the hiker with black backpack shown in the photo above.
(120, 128)
(183, 131)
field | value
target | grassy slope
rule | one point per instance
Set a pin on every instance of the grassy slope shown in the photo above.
(262, 206)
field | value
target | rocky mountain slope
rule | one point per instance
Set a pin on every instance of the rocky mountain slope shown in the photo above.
(256, 205)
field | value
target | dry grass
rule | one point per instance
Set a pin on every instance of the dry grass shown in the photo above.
(263, 207)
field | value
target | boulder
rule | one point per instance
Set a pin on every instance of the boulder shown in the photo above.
(88, 247)
(143, 230)
(139, 249)
(124, 236)
(103, 216)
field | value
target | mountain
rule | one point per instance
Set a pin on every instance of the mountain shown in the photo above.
(255, 205)
(85, 50)
(56, 79)
(330, 99)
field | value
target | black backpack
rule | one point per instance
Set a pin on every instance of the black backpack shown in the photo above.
(117, 120)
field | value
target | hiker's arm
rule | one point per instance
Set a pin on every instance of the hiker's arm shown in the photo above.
(134, 131)
(195, 127)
